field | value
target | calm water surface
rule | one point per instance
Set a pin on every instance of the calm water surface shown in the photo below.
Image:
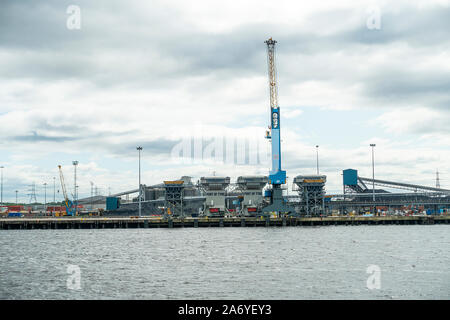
(228, 263)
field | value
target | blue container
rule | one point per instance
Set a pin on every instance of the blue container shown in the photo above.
(14, 214)
(112, 203)
(350, 177)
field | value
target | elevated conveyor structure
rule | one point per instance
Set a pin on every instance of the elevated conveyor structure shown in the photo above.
(400, 185)
(358, 195)
(353, 183)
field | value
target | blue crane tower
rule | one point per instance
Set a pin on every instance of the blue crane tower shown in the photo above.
(277, 176)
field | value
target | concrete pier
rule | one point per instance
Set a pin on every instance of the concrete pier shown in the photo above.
(152, 222)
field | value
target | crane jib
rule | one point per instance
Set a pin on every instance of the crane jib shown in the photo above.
(67, 202)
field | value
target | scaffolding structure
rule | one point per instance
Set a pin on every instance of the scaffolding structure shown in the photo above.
(311, 190)
(174, 198)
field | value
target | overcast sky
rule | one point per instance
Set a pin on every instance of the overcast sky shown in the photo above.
(151, 73)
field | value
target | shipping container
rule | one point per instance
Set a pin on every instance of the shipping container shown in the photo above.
(14, 214)
(112, 203)
(15, 208)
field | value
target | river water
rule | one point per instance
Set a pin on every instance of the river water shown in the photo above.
(326, 262)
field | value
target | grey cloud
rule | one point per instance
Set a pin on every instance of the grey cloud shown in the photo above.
(100, 143)
(408, 87)
(416, 27)
(159, 47)
(151, 148)
(35, 137)
(119, 46)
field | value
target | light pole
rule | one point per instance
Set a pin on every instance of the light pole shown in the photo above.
(140, 190)
(54, 190)
(317, 157)
(287, 184)
(16, 196)
(92, 196)
(1, 201)
(373, 174)
(75, 163)
(45, 197)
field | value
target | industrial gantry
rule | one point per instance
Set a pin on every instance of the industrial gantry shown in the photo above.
(311, 190)
(174, 201)
(277, 177)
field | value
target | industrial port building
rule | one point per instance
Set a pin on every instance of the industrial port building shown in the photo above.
(218, 196)
(248, 195)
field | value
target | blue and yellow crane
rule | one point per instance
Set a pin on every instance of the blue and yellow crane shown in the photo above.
(70, 208)
(277, 176)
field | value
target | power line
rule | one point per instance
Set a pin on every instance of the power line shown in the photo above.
(32, 193)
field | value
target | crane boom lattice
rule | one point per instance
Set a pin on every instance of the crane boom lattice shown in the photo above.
(67, 203)
(272, 73)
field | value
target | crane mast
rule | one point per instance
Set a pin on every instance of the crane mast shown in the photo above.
(277, 177)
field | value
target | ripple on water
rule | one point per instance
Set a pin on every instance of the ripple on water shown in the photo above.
(229, 263)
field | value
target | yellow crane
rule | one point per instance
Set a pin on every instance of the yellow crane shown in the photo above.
(70, 209)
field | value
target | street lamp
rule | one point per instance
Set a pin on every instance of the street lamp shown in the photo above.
(317, 156)
(75, 163)
(92, 196)
(16, 196)
(373, 173)
(287, 184)
(54, 191)
(140, 190)
(1, 201)
(45, 197)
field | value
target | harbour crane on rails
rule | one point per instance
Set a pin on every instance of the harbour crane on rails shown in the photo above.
(70, 208)
(277, 176)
